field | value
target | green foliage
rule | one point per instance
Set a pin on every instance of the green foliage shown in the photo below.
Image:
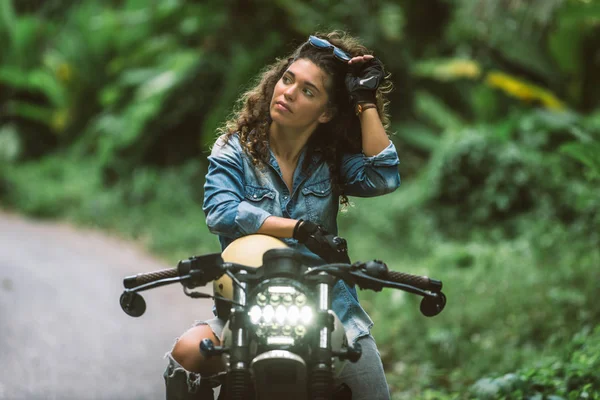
(488, 24)
(483, 180)
(510, 301)
(161, 209)
(572, 375)
(50, 188)
(489, 216)
(434, 111)
(586, 147)
(490, 175)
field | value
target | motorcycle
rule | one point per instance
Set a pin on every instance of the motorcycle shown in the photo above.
(281, 339)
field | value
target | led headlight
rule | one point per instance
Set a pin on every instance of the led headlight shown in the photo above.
(280, 312)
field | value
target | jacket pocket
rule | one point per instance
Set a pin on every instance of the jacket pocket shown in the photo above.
(319, 189)
(261, 197)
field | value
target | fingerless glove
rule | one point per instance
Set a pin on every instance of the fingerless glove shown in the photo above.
(329, 247)
(363, 80)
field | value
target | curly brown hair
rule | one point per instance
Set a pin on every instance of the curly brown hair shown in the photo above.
(342, 134)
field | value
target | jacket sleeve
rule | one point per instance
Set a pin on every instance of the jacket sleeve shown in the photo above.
(371, 176)
(227, 212)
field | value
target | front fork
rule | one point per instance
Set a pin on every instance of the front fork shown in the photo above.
(321, 376)
(238, 375)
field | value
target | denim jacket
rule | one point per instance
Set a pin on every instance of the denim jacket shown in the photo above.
(238, 197)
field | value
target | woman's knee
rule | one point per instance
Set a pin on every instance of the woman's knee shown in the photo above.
(187, 351)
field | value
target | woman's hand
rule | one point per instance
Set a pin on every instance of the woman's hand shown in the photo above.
(363, 78)
(327, 246)
(360, 59)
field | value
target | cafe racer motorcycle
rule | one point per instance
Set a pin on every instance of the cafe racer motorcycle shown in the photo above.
(281, 339)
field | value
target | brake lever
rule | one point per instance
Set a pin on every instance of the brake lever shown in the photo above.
(202, 269)
(370, 274)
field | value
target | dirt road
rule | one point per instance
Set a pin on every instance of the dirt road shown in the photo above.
(62, 332)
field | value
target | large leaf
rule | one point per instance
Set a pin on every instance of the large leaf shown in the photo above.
(514, 32)
(417, 135)
(392, 21)
(30, 111)
(586, 153)
(121, 128)
(437, 112)
(38, 80)
(26, 38)
(242, 69)
(7, 17)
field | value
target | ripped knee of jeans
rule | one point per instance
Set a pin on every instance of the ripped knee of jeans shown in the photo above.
(182, 384)
(178, 378)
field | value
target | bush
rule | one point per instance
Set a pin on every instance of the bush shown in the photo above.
(160, 208)
(573, 375)
(483, 180)
(490, 176)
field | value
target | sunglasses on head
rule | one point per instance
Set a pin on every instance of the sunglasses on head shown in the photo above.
(324, 44)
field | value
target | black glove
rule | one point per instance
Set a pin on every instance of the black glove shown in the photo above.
(330, 248)
(362, 81)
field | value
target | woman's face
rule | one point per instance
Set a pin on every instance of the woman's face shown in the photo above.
(300, 96)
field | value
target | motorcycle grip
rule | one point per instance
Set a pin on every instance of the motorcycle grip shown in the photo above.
(421, 282)
(147, 277)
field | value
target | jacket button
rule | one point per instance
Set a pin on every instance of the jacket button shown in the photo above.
(254, 196)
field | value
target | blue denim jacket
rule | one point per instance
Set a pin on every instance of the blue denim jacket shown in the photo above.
(238, 197)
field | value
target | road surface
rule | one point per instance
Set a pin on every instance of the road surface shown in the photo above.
(62, 332)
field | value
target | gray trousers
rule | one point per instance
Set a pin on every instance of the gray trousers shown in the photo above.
(365, 378)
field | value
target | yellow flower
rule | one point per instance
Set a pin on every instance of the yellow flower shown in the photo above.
(448, 69)
(455, 69)
(64, 72)
(463, 68)
(59, 121)
(523, 90)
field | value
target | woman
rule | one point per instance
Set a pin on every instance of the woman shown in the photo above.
(309, 134)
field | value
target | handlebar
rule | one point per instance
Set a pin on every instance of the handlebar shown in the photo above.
(144, 278)
(417, 281)
(200, 270)
(421, 282)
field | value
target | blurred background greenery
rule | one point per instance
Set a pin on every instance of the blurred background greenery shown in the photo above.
(108, 109)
